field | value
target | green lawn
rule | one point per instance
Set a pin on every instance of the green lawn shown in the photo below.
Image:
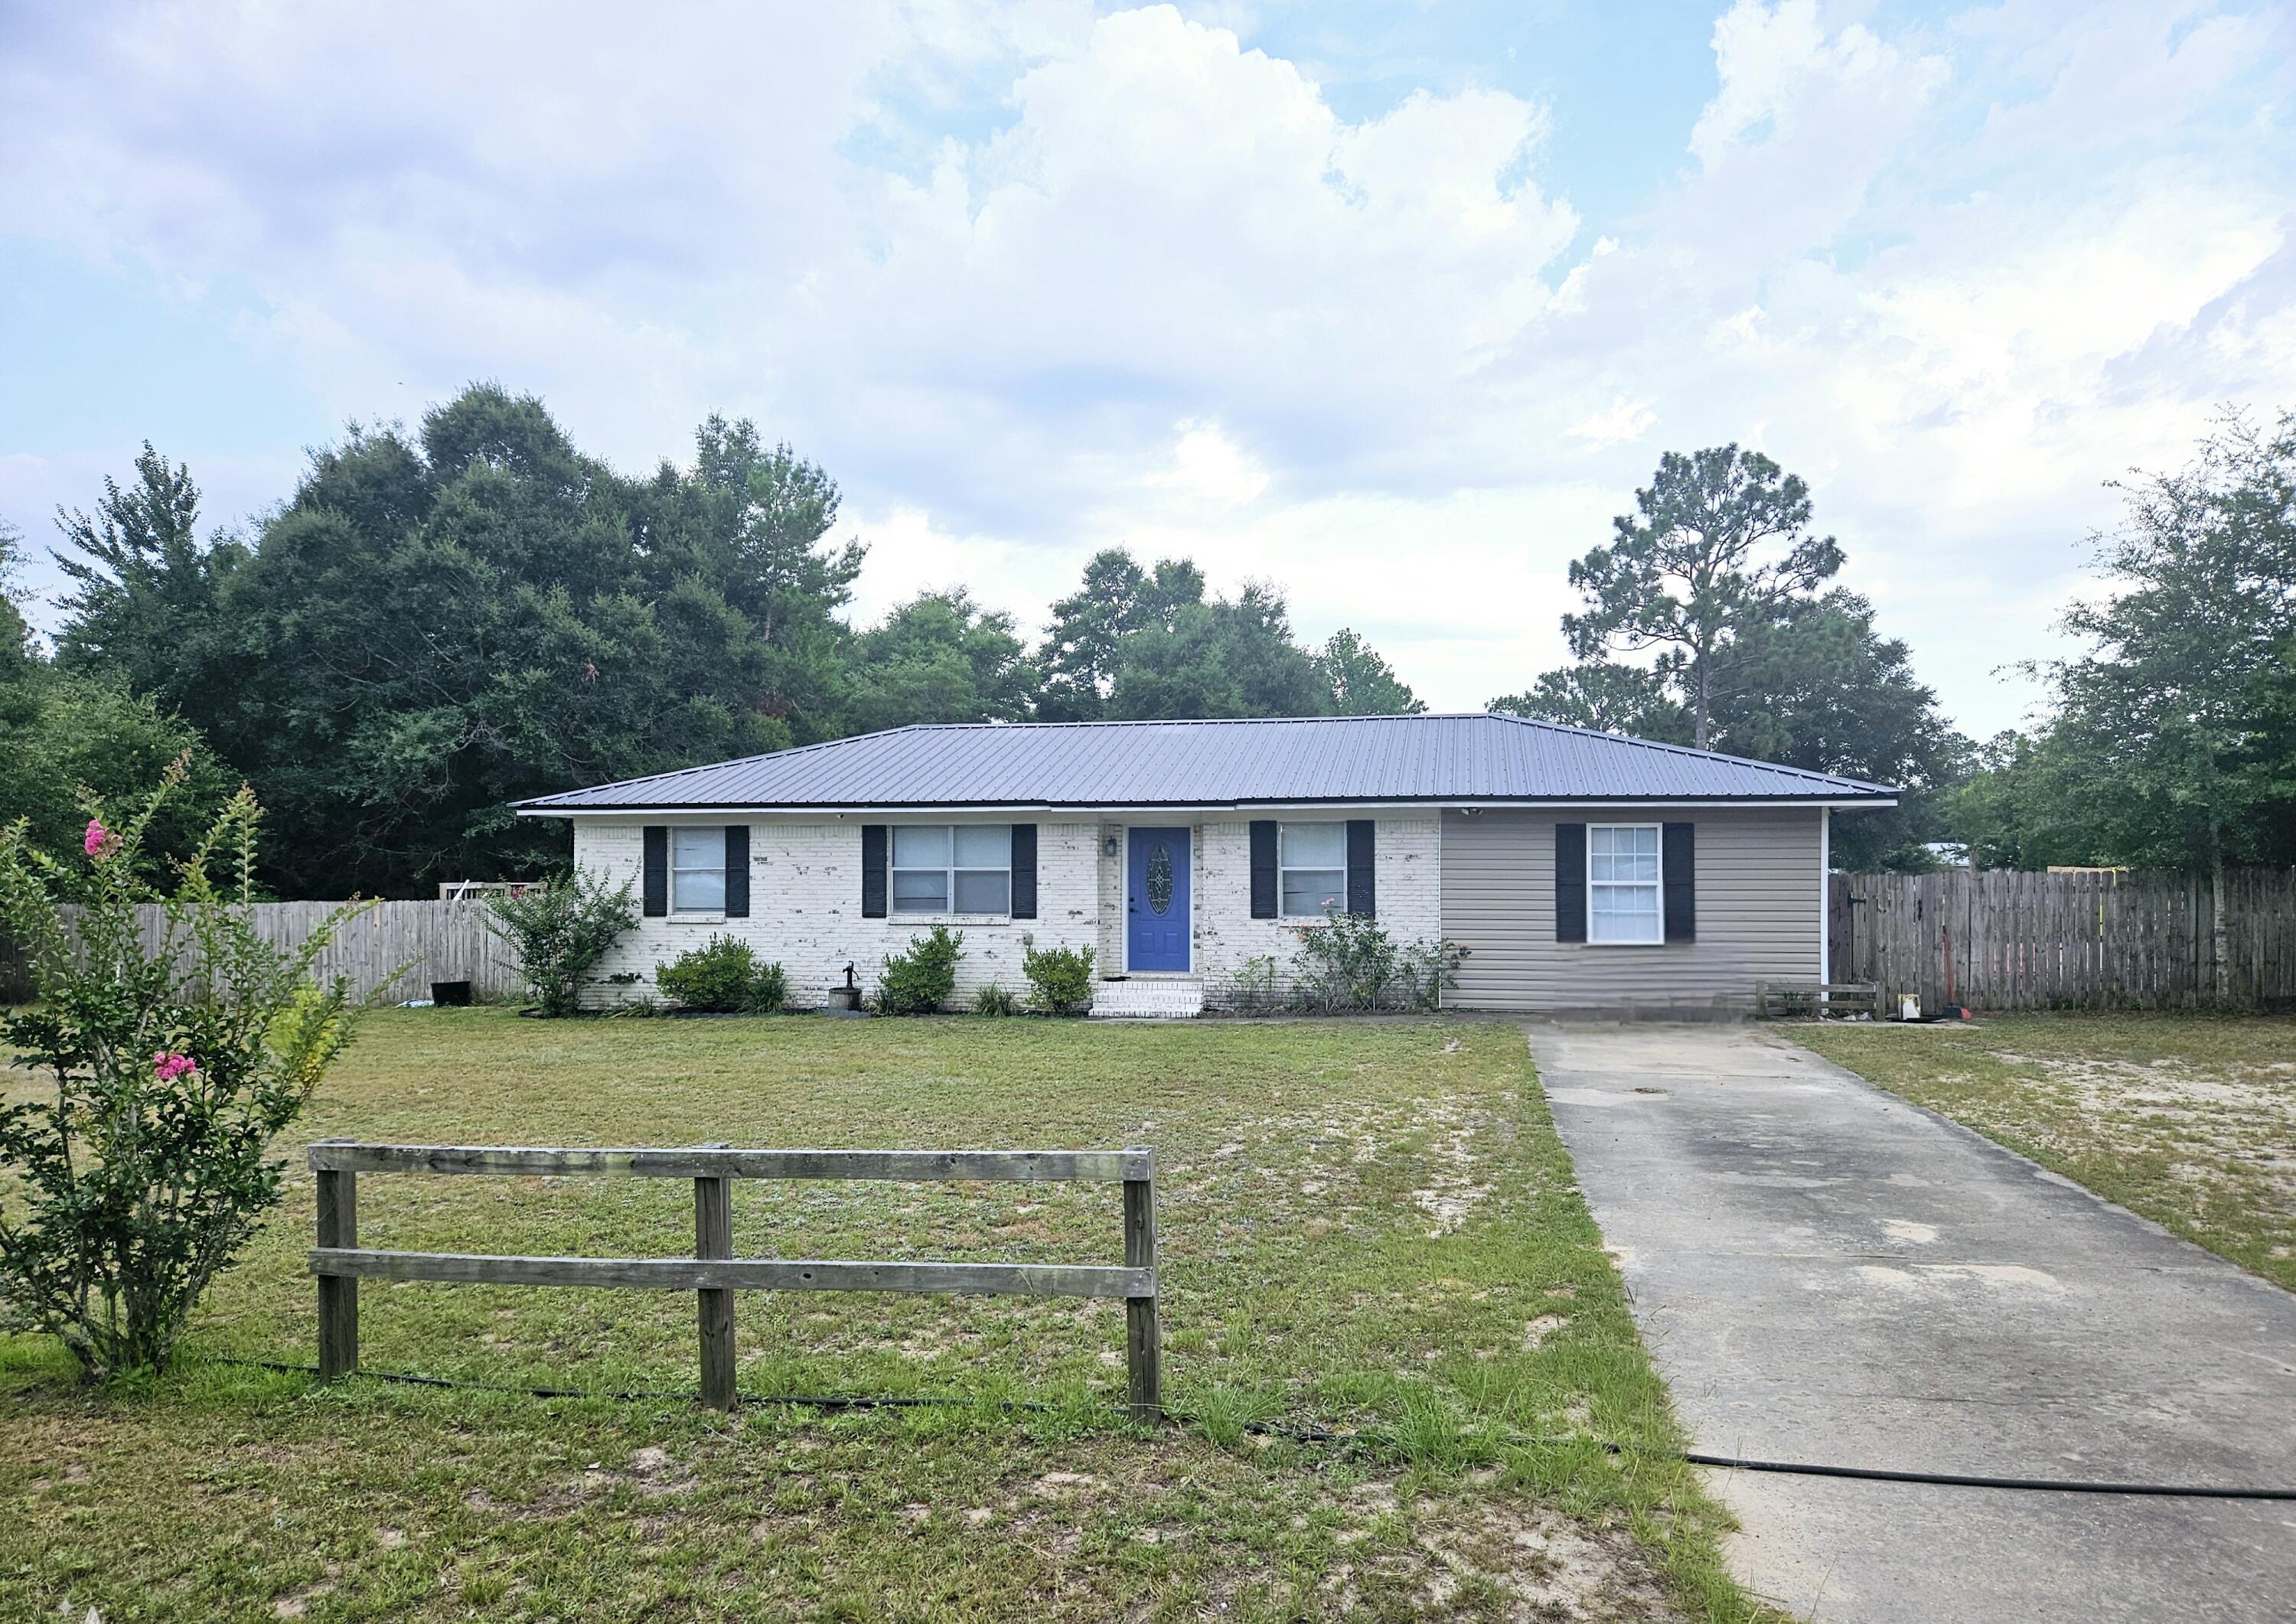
(1368, 1228)
(2189, 1119)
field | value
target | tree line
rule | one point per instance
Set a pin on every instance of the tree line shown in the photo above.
(2168, 741)
(440, 622)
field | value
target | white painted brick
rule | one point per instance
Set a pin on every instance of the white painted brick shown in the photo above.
(804, 909)
(805, 903)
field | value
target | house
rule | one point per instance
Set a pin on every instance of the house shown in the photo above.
(1581, 871)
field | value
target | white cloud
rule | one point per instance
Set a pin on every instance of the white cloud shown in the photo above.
(1031, 280)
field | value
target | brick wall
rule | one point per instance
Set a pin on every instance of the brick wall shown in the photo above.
(805, 904)
(804, 909)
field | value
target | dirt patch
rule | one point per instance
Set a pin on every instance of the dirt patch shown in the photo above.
(2208, 1120)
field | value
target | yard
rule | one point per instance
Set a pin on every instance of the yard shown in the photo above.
(2188, 1119)
(1368, 1229)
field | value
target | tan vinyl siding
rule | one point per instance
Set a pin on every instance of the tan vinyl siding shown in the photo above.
(1759, 899)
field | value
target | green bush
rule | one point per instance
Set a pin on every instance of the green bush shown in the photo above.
(559, 931)
(1060, 979)
(994, 1000)
(723, 977)
(142, 1171)
(1350, 963)
(919, 981)
(1254, 987)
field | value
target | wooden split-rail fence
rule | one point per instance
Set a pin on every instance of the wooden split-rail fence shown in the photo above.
(2002, 940)
(714, 1273)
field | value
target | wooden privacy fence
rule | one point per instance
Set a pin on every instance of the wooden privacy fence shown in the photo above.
(2004, 939)
(714, 1274)
(394, 948)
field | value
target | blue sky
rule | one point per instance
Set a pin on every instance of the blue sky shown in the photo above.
(1392, 305)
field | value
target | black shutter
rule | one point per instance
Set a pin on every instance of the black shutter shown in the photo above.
(737, 870)
(873, 871)
(654, 889)
(1570, 882)
(1363, 887)
(1678, 845)
(1263, 868)
(1024, 871)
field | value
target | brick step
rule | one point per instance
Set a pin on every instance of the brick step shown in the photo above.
(1137, 999)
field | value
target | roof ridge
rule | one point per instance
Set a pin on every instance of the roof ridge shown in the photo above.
(1680, 750)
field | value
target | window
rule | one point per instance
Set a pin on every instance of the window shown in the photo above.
(1622, 883)
(1311, 869)
(940, 868)
(697, 870)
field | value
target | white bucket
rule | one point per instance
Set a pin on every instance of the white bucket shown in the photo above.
(1909, 1008)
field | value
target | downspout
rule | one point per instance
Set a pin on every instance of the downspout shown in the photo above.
(1825, 900)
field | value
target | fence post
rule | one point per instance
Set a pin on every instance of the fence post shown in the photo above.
(337, 1293)
(713, 1238)
(1143, 1350)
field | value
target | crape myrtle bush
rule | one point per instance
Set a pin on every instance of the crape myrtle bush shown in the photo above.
(144, 1171)
(723, 977)
(919, 981)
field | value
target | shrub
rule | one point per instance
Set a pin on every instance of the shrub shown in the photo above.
(559, 931)
(994, 1000)
(144, 1173)
(723, 977)
(1060, 979)
(1254, 985)
(1350, 963)
(919, 981)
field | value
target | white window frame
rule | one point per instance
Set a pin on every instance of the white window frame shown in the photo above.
(949, 873)
(677, 869)
(1656, 886)
(1284, 891)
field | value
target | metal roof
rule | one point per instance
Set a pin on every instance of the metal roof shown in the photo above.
(1275, 761)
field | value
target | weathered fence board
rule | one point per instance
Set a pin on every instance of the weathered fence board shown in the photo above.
(2002, 940)
(395, 948)
(714, 1274)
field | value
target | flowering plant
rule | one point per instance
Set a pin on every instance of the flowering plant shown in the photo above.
(174, 1063)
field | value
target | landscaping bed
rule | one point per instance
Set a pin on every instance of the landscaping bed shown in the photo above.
(1367, 1230)
(2188, 1119)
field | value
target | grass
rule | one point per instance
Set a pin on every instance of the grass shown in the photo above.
(1366, 1228)
(2189, 1119)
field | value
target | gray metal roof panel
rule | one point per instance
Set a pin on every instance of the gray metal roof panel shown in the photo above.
(1272, 761)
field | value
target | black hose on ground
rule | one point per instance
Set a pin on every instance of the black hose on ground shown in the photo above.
(1317, 1435)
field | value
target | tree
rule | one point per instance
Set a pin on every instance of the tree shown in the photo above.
(1817, 686)
(938, 657)
(2172, 729)
(143, 611)
(1361, 682)
(57, 728)
(1117, 600)
(1719, 541)
(1603, 697)
(1225, 658)
(435, 626)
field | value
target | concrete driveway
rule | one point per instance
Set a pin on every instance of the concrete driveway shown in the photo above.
(1826, 1272)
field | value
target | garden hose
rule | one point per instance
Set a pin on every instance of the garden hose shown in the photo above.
(1318, 1435)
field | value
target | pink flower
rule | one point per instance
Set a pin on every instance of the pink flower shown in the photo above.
(168, 1065)
(99, 840)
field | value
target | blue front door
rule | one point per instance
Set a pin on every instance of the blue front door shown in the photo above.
(1156, 900)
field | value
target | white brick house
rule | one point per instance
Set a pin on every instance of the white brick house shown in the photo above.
(1579, 870)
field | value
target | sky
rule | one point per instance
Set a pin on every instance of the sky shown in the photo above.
(1392, 305)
